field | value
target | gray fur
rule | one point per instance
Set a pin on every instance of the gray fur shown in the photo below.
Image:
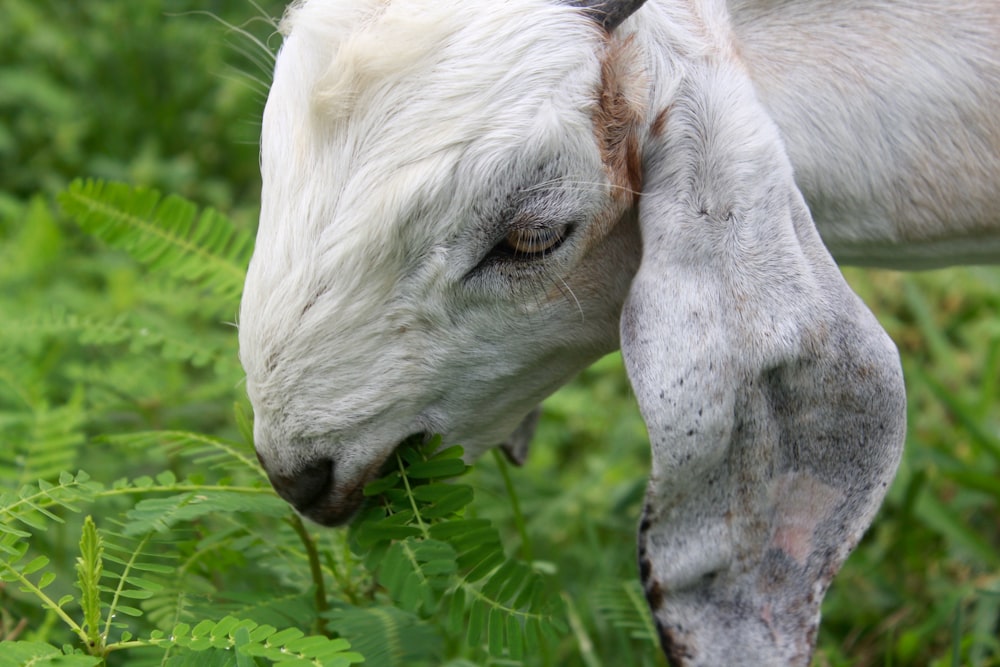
(516, 447)
(774, 401)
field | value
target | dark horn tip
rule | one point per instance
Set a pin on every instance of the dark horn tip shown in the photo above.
(608, 13)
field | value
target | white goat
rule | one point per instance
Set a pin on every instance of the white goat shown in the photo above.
(465, 202)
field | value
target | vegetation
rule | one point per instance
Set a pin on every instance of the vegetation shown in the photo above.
(137, 528)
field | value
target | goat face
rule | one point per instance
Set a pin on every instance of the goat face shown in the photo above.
(450, 230)
(446, 236)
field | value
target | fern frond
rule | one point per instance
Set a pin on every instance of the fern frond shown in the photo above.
(425, 553)
(89, 566)
(293, 608)
(182, 590)
(204, 450)
(289, 647)
(132, 567)
(164, 233)
(33, 577)
(40, 654)
(29, 333)
(387, 636)
(160, 514)
(213, 657)
(623, 605)
(417, 572)
(58, 323)
(32, 506)
(41, 442)
(267, 553)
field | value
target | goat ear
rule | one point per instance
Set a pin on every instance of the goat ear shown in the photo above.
(515, 448)
(773, 399)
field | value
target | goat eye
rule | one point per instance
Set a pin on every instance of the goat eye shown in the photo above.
(531, 242)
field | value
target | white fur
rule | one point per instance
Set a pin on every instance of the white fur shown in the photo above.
(366, 211)
(403, 139)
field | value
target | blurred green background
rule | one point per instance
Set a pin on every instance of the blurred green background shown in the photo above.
(163, 94)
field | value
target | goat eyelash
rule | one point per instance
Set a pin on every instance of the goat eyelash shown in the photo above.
(567, 185)
(530, 243)
(513, 263)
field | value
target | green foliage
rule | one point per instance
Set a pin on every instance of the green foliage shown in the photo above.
(171, 550)
(421, 580)
(89, 566)
(623, 604)
(283, 648)
(431, 559)
(167, 101)
(165, 234)
(922, 586)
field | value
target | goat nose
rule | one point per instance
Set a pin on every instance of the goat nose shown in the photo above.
(307, 486)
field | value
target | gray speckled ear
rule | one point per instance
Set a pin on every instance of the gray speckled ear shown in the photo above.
(608, 13)
(774, 400)
(517, 445)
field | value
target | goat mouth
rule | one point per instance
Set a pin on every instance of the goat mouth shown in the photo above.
(335, 509)
(337, 506)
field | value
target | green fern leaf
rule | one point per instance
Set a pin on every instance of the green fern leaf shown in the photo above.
(464, 563)
(209, 658)
(388, 636)
(285, 647)
(129, 564)
(623, 605)
(30, 505)
(160, 514)
(203, 450)
(89, 566)
(294, 608)
(42, 441)
(166, 233)
(39, 654)
(139, 336)
(417, 572)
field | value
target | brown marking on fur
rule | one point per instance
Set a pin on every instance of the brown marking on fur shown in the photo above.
(618, 118)
(654, 594)
(660, 122)
(674, 640)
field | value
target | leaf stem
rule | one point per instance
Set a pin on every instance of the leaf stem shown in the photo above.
(583, 641)
(173, 488)
(123, 578)
(413, 501)
(527, 552)
(47, 602)
(316, 571)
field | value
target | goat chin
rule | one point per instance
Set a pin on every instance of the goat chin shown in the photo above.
(464, 204)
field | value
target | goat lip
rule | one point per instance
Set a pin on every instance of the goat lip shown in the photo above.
(336, 509)
(339, 506)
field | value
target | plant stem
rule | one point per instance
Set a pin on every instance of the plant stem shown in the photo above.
(121, 584)
(586, 646)
(48, 602)
(413, 501)
(316, 572)
(526, 551)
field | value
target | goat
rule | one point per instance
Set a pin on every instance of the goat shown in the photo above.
(464, 204)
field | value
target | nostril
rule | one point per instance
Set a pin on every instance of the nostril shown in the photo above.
(307, 486)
